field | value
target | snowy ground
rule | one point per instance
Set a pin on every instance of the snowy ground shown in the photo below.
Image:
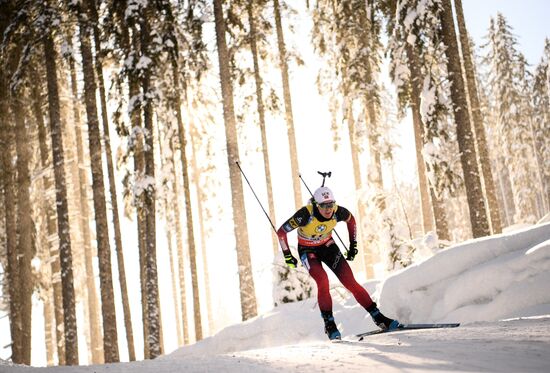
(497, 287)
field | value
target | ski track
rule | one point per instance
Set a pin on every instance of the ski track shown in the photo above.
(518, 345)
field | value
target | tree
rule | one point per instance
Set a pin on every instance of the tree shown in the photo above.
(177, 107)
(506, 77)
(63, 224)
(200, 194)
(253, 37)
(9, 198)
(247, 290)
(466, 144)
(417, 62)
(477, 121)
(25, 224)
(419, 139)
(283, 66)
(199, 98)
(93, 308)
(15, 59)
(168, 167)
(110, 338)
(12, 275)
(112, 182)
(122, 23)
(52, 287)
(147, 56)
(541, 127)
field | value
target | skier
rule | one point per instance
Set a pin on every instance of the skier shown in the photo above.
(315, 223)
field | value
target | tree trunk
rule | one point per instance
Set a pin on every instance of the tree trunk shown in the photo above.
(294, 167)
(9, 194)
(112, 185)
(440, 217)
(205, 265)
(63, 225)
(466, 144)
(188, 209)
(52, 251)
(169, 230)
(479, 130)
(200, 198)
(375, 169)
(181, 260)
(49, 324)
(173, 268)
(110, 339)
(142, 245)
(247, 290)
(367, 259)
(505, 187)
(190, 237)
(416, 79)
(437, 211)
(153, 310)
(261, 118)
(25, 224)
(131, 46)
(96, 345)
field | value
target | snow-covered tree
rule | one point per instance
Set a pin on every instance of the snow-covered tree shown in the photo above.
(506, 80)
(419, 72)
(541, 125)
(293, 284)
(464, 130)
(287, 99)
(478, 125)
(247, 292)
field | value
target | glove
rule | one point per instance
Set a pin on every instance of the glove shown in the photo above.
(290, 260)
(352, 251)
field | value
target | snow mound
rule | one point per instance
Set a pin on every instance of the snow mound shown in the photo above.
(486, 279)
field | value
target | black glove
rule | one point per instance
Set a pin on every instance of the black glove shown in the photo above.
(290, 260)
(352, 251)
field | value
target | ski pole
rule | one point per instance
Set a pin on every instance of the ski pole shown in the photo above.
(257, 199)
(323, 174)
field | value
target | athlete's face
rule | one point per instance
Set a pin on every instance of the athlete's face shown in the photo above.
(326, 209)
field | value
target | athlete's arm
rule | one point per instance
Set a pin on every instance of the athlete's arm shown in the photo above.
(343, 214)
(352, 228)
(300, 218)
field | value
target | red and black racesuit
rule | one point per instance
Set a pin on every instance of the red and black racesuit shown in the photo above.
(316, 246)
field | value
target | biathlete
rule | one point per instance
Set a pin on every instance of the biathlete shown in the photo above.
(315, 223)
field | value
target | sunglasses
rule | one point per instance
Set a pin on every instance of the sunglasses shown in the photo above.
(326, 205)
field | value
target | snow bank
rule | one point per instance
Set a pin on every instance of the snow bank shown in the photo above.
(486, 279)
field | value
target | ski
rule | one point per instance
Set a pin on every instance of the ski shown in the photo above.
(407, 327)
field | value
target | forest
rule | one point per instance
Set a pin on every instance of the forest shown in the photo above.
(124, 125)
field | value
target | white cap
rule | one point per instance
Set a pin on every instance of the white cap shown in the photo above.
(323, 194)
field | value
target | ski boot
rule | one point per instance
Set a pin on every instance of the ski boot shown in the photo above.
(330, 326)
(380, 320)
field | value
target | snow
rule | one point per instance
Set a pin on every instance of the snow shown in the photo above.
(497, 287)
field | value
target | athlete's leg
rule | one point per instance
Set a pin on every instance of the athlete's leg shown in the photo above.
(338, 264)
(312, 263)
(332, 256)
